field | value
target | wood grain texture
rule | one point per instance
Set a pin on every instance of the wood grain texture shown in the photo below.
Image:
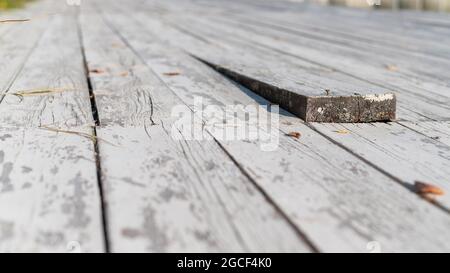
(407, 155)
(322, 187)
(338, 201)
(163, 194)
(325, 108)
(49, 196)
(16, 45)
(49, 200)
(56, 68)
(437, 130)
(413, 87)
(301, 95)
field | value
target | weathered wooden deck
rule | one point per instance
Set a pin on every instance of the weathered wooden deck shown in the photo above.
(88, 162)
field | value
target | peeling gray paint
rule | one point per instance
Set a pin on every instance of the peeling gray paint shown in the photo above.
(4, 177)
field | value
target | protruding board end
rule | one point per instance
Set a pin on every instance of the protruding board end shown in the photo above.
(337, 109)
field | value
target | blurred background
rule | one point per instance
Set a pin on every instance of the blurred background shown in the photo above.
(10, 4)
(428, 5)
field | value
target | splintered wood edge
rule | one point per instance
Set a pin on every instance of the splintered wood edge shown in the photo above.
(336, 109)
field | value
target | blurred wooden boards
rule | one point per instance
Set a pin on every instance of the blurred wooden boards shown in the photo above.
(49, 195)
(423, 93)
(123, 183)
(316, 160)
(179, 195)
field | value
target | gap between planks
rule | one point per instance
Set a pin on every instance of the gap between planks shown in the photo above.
(95, 116)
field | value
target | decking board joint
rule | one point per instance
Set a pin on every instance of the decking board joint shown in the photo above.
(103, 203)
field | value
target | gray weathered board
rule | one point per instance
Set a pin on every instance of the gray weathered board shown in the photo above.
(92, 158)
(300, 96)
(180, 196)
(195, 80)
(49, 195)
(411, 85)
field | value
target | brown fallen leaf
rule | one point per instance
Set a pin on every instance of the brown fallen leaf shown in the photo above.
(124, 74)
(97, 71)
(342, 131)
(425, 189)
(171, 73)
(391, 67)
(294, 134)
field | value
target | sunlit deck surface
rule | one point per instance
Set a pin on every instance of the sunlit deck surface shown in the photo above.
(93, 159)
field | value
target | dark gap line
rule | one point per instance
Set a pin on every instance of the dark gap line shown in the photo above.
(94, 110)
(19, 70)
(376, 167)
(303, 237)
(272, 202)
(418, 132)
(398, 180)
(386, 173)
(350, 151)
(283, 52)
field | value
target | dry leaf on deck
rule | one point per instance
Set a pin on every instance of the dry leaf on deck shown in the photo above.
(171, 73)
(294, 134)
(425, 189)
(97, 71)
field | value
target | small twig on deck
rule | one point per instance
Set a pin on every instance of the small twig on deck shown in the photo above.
(93, 138)
(14, 20)
(40, 92)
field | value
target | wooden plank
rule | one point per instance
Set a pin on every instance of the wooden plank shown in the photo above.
(307, 99)
(398, 32)
(405, 59)
(51, 89)
(49, 197)
(49, 200)
(412, 92)
(316, 183)
(15, 47)
(313, 108)
(353, 46)
(165, 195)
(399, 151)
(412, 98)
(335, 42)
(437, 130)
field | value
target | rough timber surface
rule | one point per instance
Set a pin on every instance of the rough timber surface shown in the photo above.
(330, 102)
(343, 63)
(49, 198)
(312, 152)
(180, 195)
(89, 162)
